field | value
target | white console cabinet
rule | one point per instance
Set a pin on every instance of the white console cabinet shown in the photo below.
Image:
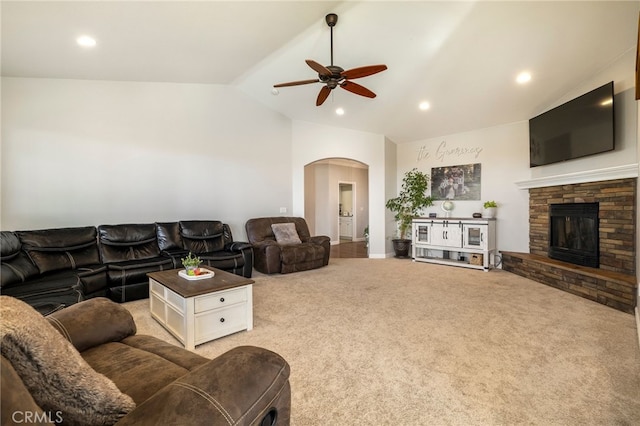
(470, 243)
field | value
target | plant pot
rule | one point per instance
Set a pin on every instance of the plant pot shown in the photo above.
(489, 212)
(401, 247)
(191, 270)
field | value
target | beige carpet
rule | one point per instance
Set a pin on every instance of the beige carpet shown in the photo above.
(393, 342)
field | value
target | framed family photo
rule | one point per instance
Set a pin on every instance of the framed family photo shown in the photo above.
(456, 182)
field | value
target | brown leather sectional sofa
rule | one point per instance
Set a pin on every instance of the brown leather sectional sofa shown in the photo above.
(54, 268)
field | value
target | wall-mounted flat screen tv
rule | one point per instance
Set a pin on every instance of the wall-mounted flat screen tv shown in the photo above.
(580, 127)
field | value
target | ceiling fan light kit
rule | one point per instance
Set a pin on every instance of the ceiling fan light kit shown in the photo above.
(333, 76)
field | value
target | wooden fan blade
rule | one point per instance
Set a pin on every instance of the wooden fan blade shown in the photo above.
(296, 83)
(363, 71)
(323, 95)
(320, 69)
(357, 89)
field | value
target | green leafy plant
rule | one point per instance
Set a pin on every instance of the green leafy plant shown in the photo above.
(411, 199)
(366, 236)
(488, 204)
(191, 261)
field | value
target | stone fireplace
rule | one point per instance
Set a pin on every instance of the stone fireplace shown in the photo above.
(610, 277)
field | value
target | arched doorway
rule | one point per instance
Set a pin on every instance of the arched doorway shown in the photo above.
(336, 203)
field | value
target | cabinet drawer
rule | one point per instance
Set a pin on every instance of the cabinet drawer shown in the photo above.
(156, 288)
(176, 301)
(220, 299)
(157, 307)
(167, 296)
(220, 322)
(175, 323)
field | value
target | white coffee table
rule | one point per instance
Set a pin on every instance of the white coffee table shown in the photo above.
(199, 311)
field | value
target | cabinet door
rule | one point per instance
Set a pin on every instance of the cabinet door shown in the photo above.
(475, 236)
(422, 233)
(447, 234)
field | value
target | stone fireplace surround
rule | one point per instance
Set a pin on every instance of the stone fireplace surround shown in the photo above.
(613, 283)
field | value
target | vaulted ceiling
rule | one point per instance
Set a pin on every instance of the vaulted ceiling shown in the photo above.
(461, 57)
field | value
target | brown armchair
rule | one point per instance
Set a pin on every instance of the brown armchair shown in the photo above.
(97, 367)
(271, 256)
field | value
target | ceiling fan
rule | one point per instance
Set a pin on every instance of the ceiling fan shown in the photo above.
(333, 76)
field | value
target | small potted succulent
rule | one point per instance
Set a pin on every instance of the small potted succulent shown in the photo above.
(490, 208)
(191, 264)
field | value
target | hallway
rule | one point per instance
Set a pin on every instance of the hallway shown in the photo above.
(349, 249)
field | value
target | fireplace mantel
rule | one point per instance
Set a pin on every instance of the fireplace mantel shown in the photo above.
(609, 173)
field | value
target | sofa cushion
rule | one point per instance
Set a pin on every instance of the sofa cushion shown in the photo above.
(302, 253)
(202, 236)
(61, 248)
(48, 292)
(120, 243)
(125, 362)
(53, 371)
(169, 236)
(16, 265)
(286, 233)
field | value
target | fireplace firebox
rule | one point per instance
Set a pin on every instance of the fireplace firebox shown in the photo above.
(573, 233)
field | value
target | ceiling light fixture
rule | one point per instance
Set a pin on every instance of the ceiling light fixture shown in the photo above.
(523, 77)
(275, 92)
(340, 111)
(86, 41)
(424, 105)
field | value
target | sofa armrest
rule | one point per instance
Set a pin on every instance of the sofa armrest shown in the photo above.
(237, 246)
(325, 242)
(263, 246)
(240, 387)
(320, 239)
(93, 322)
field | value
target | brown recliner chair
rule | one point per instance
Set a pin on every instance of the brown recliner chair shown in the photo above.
(171, 386)
(271, 256)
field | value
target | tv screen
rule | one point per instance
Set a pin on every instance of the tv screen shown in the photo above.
(580, 127)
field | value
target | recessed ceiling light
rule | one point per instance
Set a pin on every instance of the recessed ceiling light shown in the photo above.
(424, 105)
(523, 77)
(86, 41)
(340, 111)
(275, 92)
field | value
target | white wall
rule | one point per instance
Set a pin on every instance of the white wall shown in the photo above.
(78, 152)
(503, 152)
(621, 72)
(312, 142)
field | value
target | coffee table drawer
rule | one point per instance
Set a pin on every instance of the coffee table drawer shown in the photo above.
(220, 299)
(167, 295)
(220, 322)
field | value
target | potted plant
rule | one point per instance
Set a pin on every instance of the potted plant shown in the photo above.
(366, 236)
(191, 264)
(490, 208)
(408, 205)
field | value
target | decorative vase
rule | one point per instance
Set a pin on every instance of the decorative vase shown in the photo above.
(489, 212)
(401, 247)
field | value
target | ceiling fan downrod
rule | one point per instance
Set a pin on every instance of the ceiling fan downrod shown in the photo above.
(332, 20)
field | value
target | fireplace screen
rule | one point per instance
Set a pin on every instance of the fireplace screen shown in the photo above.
(573, 233)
